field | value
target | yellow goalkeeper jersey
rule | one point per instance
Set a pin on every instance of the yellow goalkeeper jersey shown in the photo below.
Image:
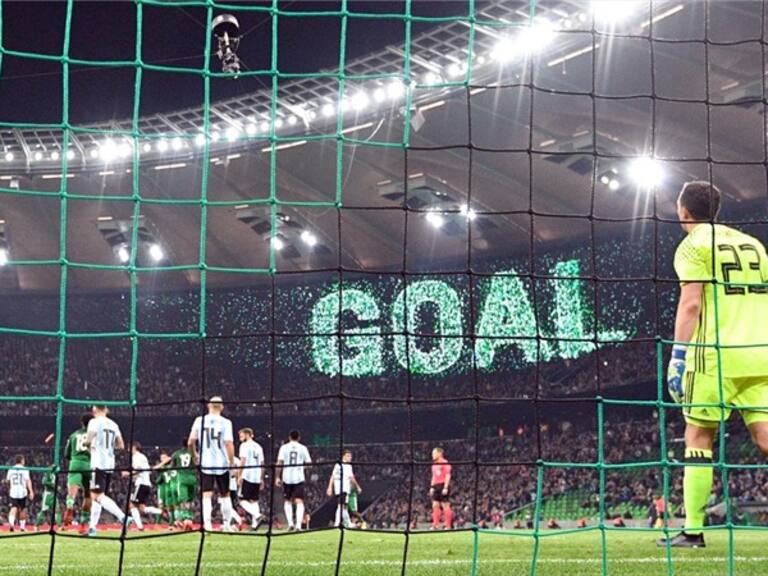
(740, 276)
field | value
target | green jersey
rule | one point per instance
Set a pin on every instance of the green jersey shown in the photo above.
(76, 449)
(185, 467)
(733, 268)
(49, 480)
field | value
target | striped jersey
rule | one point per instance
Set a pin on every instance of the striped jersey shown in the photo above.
(18, 477)
(212, 432)
(252, 460)
(342, 478)
(102, 436)
(294, 456)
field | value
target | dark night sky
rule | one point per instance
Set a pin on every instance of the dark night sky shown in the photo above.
(31, 90)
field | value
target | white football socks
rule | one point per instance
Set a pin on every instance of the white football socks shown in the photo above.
(226, 510)
(299, 514)
(152, 510)
(111, 506)
(288, 507)
(136, 515)
(95, 514)
(207, 512)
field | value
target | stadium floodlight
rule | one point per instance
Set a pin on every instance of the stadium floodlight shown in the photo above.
(215, 136)
(162, 145)
(265, 126)
(308, 238)
(435, 219)
(329, 110)
(233, 133)
(360, 101)
(395, 89)
(379, 95)
(467, 212)
(156, 252)
(38, 156)
(292, 120)
(614, 185)
(108, 150)
(613, 11)
(177, 144)
(94, 153)
(251, 129)
(200, 140)
(646, 172)
(506, 49)
(3, 256)
(70, 154)
(55, 155)
(279, 122)
(147, 147)
(123, 254)
(432, 78)
(9, 156)
(277, 243)
(226, 30)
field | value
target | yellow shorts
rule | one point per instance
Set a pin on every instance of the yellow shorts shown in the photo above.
(751, 391)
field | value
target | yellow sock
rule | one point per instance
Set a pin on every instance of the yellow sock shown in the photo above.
(697, 485)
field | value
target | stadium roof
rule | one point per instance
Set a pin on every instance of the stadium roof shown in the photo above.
(452, 186)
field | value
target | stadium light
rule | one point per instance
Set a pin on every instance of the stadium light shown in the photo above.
(38, 156)
(435, 219)
(147, 147)
(613, 11)
(162, 145)
(646, 172)
(55, 155)
(505, 50)
(360, 101)
(279, 122)
(309, 238)
(292, 120)
(329, 110)
(232, 133)
(3, 256)
(200, 140)
(123, 254)
(467, 212)
(156, 252)
(395, 89)
(94, 153)
(431, 78)
(70, 154)
(177, 144)
(9, 156)
(379, 95)
(277, 243)
(614, 185)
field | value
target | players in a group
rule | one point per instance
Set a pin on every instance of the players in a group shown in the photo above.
(440, 490)
(20, 491)
(292, 458)
(719, 354)
(78, 456)
(250, 475)
(142, 487)
(341, 483)
(102, 438)
(211, 443)
(185, 483)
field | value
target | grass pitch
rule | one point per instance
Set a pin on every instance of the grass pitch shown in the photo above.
(630, 553)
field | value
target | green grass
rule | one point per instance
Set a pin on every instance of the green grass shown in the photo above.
(629, 553)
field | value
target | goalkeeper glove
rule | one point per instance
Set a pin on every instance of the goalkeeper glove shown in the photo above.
(675, 373)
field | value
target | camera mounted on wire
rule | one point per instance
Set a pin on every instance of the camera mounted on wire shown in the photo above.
(226, 31)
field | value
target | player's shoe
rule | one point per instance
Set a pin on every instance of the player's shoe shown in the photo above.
(257, 524)
(91, 532)
(683, 540)
(291, 528)
(11, 529)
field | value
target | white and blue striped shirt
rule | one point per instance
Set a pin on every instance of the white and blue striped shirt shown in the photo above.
(212, 432)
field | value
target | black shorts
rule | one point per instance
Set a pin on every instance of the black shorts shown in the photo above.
(20, 503)
(221, 481)
(100, 481)
(140, 495)
(250, 490)
(233, 495)
(292, 491)
(437, 493)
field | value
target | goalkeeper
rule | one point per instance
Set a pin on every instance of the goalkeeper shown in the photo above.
(720, 359)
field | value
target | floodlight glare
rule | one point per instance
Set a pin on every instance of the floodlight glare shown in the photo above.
(3, 256)
(9, 156)
(277, 243)
(70, 154)
(156, 252)
(360, 101)
(379, 95)
(162, 145)
(309, 238)
(232, 133)
(614, 185)
(123, 254)
(435, 219)
(177, 144)
(200, 140)
(329, 110)
(292, 120)
(467, 212)
(265, 126)
(226, 30)
(54, 155)
(278, 122)
(395, 89)
(613, 11)
(147, 147)
(38, 156)
(646, 172)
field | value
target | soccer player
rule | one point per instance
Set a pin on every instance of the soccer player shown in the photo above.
(79, 476)
(722, 310)
(233, 488)
(166, 493)
(439, 490)
(186, 485)
(49, 495)
(19, 491)
(142, 487)
(250, 475)
(292, 458)
(102, 438)
(212, 445)
(340, 484)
